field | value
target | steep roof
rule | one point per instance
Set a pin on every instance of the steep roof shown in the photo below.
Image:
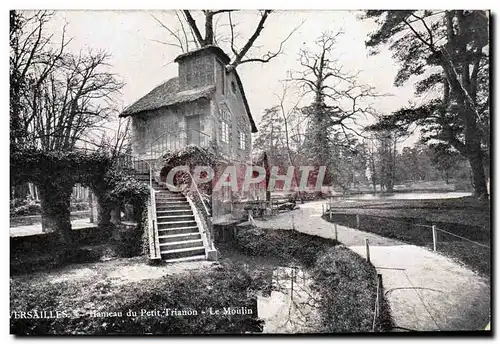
(167, 94)
(205, 51)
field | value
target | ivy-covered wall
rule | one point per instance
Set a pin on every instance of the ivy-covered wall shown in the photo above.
(55, 174)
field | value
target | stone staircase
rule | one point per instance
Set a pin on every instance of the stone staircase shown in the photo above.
(179, 235)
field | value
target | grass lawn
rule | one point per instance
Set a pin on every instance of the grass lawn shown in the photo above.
(465, 210)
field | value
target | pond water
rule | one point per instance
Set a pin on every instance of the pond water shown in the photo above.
(408, 195)
(292, 305)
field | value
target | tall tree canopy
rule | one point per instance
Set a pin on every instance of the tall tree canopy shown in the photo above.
(449, 53)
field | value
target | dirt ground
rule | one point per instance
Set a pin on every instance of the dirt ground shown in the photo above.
(117, 271)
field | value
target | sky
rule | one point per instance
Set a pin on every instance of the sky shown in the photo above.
(143, 63)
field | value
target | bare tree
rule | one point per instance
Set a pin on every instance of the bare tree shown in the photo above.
(32, 60)
(339, 101)
(185, 34)
(292, 119)
(181, 35)
(116, 141)
(76, 97)
(56, 97)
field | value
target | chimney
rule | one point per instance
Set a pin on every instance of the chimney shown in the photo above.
(197, 67)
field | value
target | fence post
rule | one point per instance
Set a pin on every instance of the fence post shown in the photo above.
(323, 209)
(380, 294)
(330, 213)
(434, 237)
(336, 235)
(367, 250)
(357, 221)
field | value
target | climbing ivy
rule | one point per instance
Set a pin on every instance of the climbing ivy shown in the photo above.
(55, 174)
(192, 156)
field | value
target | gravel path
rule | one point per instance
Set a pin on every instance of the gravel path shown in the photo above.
(426, 291)
(37, 228)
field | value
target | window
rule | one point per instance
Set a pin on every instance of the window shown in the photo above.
(225, 119)
(243, 140)
(225, 132)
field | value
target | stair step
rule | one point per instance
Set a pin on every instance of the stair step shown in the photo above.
(176, 222)
(176, 250)
(166, 201)
(178, 230)
(173, 217)
(177, 237)
(182, 252)
(185, 259)
(174, 211)
(174, 245)
(181, 207)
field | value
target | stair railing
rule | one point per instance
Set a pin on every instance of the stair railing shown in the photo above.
(127, 163)
(174, 140)
(209, 229)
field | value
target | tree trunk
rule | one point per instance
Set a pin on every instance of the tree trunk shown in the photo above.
(475, 154)
(209, 28)
(116, 216)
(466, 100)
(91, 207)
(103, 213)
(56, 215)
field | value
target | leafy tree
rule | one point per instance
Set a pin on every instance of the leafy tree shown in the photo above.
(448, 50)
(445, 159)
(271, 137)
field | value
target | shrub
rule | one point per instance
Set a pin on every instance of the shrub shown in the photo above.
(286, 244)
(347, 284)
(345, 281)
(77, 206)
(130, 242)
(30, 208)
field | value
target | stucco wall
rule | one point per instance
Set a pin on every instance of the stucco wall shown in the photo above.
(148, 128)
(196, 72)
(233, 99)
